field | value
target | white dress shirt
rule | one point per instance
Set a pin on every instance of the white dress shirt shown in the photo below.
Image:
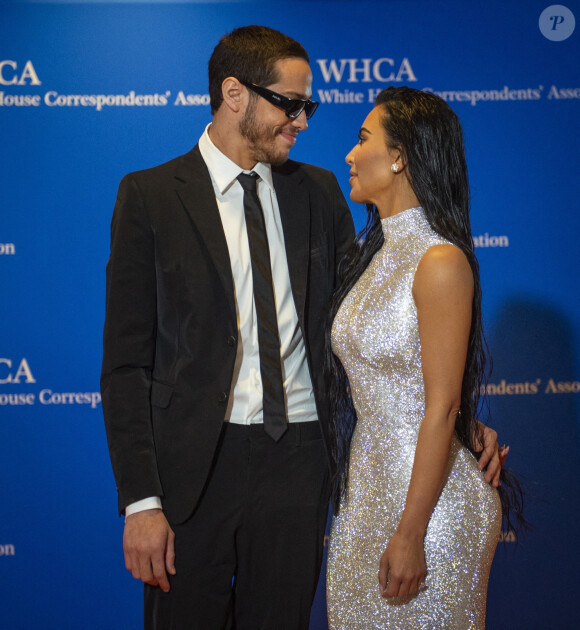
(245, 401)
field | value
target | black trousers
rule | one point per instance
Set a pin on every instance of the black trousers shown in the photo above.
(249, 557)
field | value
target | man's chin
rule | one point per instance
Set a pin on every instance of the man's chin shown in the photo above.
(275, 159)
(280, 156)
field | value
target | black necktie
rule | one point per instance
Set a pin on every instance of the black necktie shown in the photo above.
(274, 407)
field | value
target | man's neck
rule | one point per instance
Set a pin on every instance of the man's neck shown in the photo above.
(231, 144)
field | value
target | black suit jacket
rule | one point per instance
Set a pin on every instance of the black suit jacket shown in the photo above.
(171, 331)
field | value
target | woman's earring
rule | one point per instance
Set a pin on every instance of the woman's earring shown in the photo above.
(395, 167)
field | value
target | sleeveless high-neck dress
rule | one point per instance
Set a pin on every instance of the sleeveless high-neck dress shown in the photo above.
(376, 337)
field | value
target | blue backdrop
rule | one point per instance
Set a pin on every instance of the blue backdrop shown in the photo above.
(90, 91)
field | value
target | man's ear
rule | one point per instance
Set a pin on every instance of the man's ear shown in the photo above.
(233, 93)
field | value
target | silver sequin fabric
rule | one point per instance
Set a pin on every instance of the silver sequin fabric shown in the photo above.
(376, 336)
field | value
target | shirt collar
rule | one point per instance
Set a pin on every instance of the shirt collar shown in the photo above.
(223, 171)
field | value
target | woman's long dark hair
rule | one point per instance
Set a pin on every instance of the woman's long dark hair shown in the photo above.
(428, 134)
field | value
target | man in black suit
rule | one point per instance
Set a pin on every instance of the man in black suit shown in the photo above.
(225, 503)
(182, 382)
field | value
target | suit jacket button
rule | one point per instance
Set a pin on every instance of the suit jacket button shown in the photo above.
(223, 397)
(231, 341)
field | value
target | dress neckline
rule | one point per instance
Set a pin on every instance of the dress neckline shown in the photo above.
(403, 222)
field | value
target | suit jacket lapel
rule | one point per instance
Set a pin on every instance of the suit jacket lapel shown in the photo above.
(293, 201)
(197, 195)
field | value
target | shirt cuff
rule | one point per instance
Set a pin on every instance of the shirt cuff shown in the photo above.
(150, 503)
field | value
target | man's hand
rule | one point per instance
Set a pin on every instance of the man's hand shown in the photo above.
(492, 456)
(148, 543)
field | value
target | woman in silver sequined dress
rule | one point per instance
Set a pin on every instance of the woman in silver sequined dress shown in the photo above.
(415, 511)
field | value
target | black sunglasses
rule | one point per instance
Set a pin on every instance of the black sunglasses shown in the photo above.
(292, 107)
